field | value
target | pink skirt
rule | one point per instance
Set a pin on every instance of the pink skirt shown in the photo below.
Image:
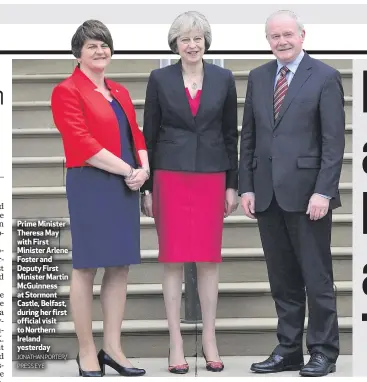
(188, 210)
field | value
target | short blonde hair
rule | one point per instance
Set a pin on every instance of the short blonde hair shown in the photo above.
(186, 22)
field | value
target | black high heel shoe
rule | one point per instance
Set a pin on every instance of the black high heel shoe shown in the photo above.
(214, 366)
(83, 373)
(105, 359)
(177, 369)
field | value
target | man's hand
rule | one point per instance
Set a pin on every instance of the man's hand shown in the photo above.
(248, 204)
(318, 207)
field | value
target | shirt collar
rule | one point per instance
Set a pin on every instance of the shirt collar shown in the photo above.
(292, 66)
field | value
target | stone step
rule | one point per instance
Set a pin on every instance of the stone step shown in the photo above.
(238, 232)
(41, 187)
(235, 300)
(61, 66)
(149, 338)
(38, 87)
(238, 264)
(50, 171)
(38, 171)
(47, 142)
(37, 114)
(49, 201)
(43, 142)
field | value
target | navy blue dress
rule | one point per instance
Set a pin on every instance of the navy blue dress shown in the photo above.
(104, 212)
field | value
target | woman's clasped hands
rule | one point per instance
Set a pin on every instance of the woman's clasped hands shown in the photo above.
(136, 178)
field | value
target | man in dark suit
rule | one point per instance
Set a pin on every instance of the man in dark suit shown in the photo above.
(292, 145)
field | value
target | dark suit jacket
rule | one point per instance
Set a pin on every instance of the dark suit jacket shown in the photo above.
(180, 142)
(302, 152)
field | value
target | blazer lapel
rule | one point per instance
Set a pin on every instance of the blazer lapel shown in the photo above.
(303, 72)
(206, 91)
(269, 83)
(87, 88)
(96, 98)
(207, 88)
(179, 91)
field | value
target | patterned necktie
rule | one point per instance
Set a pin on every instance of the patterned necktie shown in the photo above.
(280, 90)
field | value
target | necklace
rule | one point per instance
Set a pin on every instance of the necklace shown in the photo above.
(194, 85)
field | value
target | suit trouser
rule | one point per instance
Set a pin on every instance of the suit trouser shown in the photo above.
(298, 257)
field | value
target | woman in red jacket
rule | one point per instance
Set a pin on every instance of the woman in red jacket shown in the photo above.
(107, 163)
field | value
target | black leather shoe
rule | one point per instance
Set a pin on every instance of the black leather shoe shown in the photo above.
(84, 373)
(105, 359)
(276, 363)
(318, 366)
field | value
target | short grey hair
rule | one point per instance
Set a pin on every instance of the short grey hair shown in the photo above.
(186, 22)
(90, 30)
(291, 14)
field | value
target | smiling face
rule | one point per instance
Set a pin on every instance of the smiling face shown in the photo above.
(284, 38)
(191, 46)
(95, 56)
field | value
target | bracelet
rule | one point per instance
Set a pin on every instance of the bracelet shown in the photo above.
(130, 173)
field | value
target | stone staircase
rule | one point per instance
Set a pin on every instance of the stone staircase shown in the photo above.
(246, 322)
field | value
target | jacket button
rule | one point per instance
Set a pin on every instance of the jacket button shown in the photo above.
(270, 158)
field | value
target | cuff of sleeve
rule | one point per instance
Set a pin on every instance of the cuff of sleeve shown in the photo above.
(247, 193)
(90, 151)
(324, 196)
(148, 185)
(232, 179)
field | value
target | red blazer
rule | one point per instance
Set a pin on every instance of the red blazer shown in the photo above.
(87, 122)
